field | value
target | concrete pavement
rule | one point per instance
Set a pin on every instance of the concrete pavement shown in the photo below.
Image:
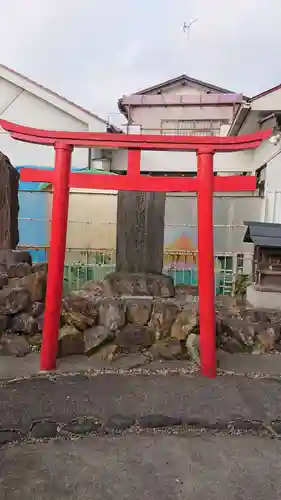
(156, 467)
(108, 462)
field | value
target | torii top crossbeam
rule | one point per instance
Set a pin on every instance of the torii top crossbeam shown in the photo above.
(138, 142)
(204, 184)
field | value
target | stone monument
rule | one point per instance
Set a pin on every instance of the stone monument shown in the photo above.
(140, 232)
(9, 205)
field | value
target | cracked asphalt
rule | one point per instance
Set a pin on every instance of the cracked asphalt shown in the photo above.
(63, 398)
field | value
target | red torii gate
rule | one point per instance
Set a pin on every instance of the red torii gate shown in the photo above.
(205, 183)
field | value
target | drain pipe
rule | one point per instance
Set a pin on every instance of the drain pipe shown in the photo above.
(275, 140)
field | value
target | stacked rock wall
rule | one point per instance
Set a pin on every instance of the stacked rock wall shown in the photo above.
(122, 316)
(22, 295)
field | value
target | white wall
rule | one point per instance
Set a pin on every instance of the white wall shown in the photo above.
(269, 102)
(176, 161)
(151, 117)
(271, 202)
(24, 108)
(273, 170)
(271, 208)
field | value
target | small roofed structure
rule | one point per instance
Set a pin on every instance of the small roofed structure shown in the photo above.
(266, 238)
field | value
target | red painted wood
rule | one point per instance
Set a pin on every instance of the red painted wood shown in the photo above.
(36, 175)
(140, 183)
(127, 144)
(133, 139)
(134, 163)
(235, 183)
(56, 257)
(115, 182)
(206, 281)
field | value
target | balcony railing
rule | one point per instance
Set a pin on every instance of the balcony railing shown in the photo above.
(138, 129)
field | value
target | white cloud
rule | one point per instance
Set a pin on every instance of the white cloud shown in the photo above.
(93, 51)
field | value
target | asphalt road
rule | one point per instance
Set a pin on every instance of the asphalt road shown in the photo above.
(156, 467)
(67, 397)
(145, 465)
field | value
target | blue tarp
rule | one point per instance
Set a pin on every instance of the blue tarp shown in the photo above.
(33, 215)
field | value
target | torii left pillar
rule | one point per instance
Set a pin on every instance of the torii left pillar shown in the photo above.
(57, 253)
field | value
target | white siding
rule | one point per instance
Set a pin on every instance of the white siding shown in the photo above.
(271, 203)
(24, 108)
(269, 102)
(151, 117)
(159, 161)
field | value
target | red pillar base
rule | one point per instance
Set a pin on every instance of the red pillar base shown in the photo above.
(56, 256)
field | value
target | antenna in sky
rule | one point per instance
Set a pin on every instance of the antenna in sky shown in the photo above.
(187, 26)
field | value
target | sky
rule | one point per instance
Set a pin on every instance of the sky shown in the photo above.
(95, 51)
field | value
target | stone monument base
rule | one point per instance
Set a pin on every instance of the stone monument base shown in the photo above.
(138, 284)
(263, 299)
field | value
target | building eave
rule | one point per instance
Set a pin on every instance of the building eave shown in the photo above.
(184, 79)
(239, 119)
(266, 92)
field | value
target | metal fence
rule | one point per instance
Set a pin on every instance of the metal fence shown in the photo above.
(94, 264)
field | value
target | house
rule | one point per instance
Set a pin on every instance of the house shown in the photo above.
(184, 106)
(261, 112)
(28, 103)
(187, 106)
(180, 105)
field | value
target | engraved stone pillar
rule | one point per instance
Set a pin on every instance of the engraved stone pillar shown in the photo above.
(9, 205)
(140, 232)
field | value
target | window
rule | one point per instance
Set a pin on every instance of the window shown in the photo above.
(191, 127)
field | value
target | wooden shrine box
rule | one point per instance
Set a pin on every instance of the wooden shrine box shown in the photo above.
(266, 238)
